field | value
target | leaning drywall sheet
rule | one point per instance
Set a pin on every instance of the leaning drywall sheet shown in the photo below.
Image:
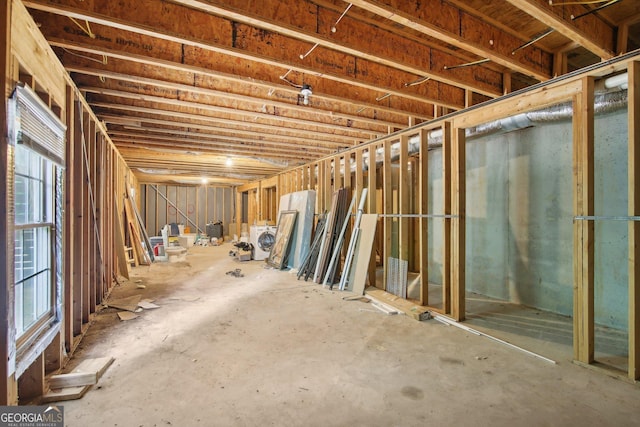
(305, 203)
(362, 253)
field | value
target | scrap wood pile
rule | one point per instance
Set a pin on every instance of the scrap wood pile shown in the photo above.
(324, 259)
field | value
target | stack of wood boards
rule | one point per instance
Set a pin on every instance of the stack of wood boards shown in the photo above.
(136, 232)
(75, 384)
(308, 266)
(338, 215)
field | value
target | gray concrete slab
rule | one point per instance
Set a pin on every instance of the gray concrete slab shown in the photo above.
(265, 349)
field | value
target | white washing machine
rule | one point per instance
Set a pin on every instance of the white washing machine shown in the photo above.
(262, 237)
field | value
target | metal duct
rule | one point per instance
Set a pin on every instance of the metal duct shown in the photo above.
(604, 103)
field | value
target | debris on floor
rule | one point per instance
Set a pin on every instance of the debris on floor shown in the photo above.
(75, 384)
(128, 304)
(127, 315)
(235, 273)
(147, 304)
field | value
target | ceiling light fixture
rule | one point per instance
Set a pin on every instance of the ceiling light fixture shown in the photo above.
(229, 162)
(305, 92)
(380, 98)
(205, 181)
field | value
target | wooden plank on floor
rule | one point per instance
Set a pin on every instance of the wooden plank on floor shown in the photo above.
(97, 366)
(73, 379)
(408, 307)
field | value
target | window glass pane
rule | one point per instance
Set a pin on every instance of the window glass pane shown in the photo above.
(43, 293)
(22, 160)
(18, 253)
(29, 302)
(35, 165)
(21, 197)
(34, 202)
(28, 253)
(19, 310)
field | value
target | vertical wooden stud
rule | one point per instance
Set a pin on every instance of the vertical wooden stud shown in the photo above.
(583, 170)
(403, 199)
(372, 195)
(446, 201)
(387, 199)
(458, 202)
(423, 209)
(633, 106)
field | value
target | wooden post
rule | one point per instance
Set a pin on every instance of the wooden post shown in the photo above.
(328, 191)
(372, 195)
(423, 208)
(78, 236)
(387, 199)
(633, 106)
(458, 202)
(446, 202)
(403, 200)
(583, 249)
(93, 241)
(87, 232)
(69, 220)
(8, 384)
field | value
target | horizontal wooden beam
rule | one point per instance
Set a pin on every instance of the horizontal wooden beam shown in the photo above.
(590, 32)
(146, 121)
(129, 71)
(109, 106)
(216, 35)
(177, 134)
(246, 117)
(313, 23)
(465, 31)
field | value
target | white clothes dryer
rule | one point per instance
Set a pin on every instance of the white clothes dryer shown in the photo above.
(262, 237)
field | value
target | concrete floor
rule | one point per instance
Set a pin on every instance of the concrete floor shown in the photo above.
(266, 349)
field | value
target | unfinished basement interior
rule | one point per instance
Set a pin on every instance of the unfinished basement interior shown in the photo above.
(321, 212)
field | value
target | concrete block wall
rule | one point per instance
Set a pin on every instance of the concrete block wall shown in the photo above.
(520, 213)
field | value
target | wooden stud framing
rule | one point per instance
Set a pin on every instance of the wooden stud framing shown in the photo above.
(70, 206)
(372, 197)
(78, 183)
(387, 200)
(87, 260)
(458, 202)
(403, 199)
(583, 178)
(328, 182)
(423, 209)
(446, 196)
(634, 226)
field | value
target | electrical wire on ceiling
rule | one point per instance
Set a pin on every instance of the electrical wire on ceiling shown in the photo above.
(611, 3)
(606, 4)
(468, 64)
(87, 30)
(535, 39)
(417, 82)
(333, 27)
(302, 56)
